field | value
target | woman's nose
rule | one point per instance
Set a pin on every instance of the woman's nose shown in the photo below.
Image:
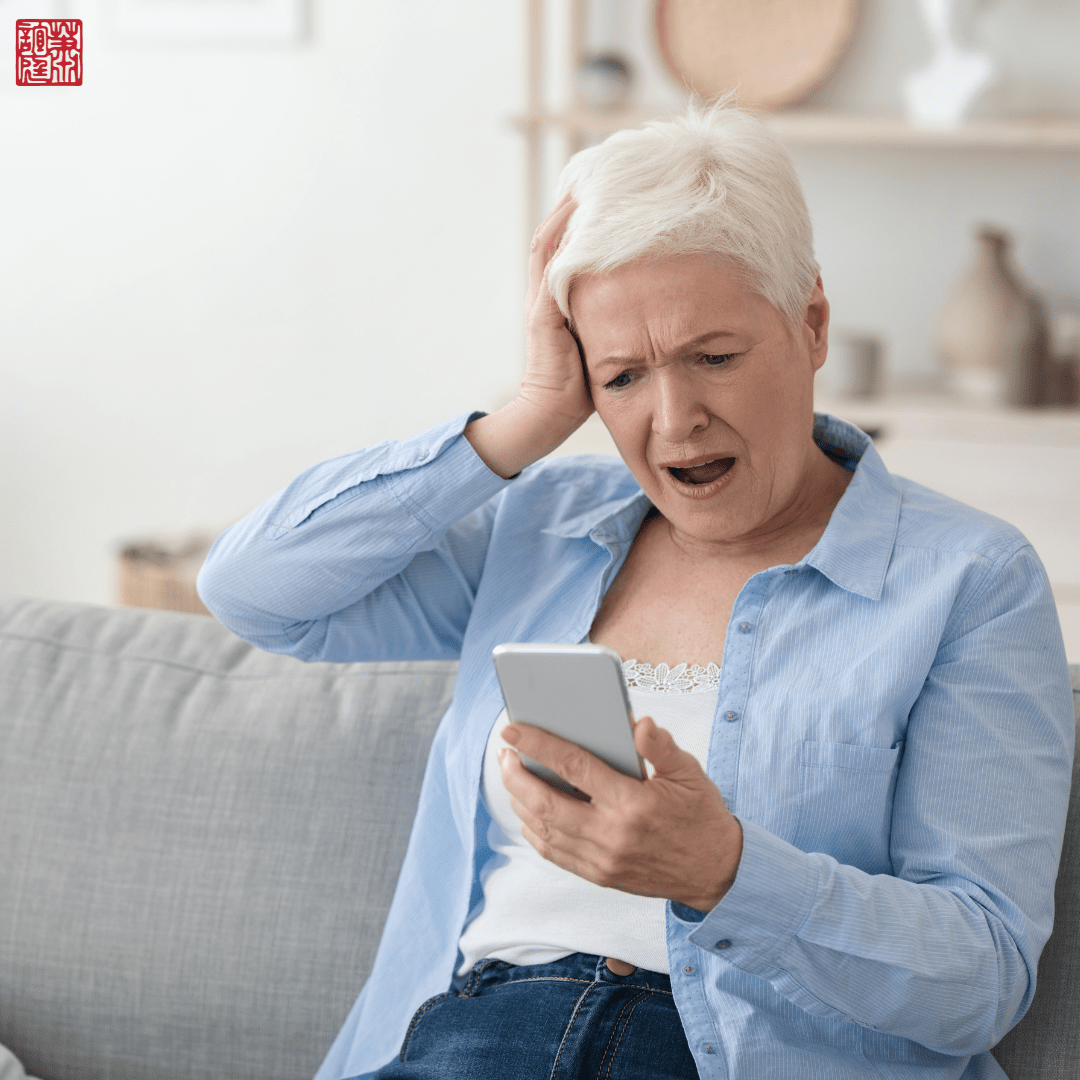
(677, 409)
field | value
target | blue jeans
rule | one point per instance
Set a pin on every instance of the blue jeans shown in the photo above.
(563, 1021)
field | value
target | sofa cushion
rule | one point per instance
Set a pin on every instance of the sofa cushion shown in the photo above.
(188, 883)
(198, 841)
(1045, 1045)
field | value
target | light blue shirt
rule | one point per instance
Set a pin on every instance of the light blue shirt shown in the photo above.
(894, 731)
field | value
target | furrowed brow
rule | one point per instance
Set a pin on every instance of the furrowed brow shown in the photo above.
(623, 359)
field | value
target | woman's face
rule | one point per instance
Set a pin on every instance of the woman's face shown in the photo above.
(706, 390)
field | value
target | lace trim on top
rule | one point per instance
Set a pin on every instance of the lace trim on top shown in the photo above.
(681, 679)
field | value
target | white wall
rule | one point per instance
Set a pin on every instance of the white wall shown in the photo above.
(222, 264)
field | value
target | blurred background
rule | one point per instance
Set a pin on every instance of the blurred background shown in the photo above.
(266, 232)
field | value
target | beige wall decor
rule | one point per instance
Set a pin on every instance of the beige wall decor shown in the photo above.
(772, 53)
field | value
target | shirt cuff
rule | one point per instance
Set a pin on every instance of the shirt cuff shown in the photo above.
(773, 894)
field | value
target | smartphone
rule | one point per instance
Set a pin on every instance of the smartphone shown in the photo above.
(576, 692)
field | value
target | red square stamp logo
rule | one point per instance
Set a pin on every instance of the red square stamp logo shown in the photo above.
(48, 52)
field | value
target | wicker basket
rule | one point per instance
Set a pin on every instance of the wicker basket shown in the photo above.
(160, 575)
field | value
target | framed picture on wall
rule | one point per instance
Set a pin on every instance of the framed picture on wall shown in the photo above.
(240, 22)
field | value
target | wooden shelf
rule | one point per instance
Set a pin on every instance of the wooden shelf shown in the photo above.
(943, 419)
(846, 129)
(842, 129)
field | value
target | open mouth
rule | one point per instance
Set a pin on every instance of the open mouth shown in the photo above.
(705, 473)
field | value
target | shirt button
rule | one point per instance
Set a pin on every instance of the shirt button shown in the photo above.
(745, 627)
(789, 572)
(724, 944)
(423, 455)
(688, 969)
(731, 717)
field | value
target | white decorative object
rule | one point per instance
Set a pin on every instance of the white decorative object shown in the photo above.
(941, 94)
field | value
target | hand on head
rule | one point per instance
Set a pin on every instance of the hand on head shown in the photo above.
(554, 400)
(669, 836)
(554, 383)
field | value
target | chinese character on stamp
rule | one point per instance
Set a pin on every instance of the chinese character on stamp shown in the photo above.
(48, 52)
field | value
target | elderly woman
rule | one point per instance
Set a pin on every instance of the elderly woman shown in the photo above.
(852, 691)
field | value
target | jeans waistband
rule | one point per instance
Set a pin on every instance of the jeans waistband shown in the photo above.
(583, 967)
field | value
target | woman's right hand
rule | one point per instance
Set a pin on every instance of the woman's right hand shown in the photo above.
(554, 383)
(553, 401)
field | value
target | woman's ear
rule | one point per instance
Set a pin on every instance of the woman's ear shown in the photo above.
(816, 323)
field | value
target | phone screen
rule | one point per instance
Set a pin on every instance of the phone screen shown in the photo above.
(576, 692)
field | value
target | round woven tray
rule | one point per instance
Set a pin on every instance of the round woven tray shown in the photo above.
(771, 53)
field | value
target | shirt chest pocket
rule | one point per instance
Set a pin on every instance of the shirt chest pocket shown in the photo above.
(845, 805)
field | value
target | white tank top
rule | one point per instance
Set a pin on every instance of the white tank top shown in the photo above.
(534, 912)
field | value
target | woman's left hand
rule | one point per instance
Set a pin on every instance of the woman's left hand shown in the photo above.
(669, 836)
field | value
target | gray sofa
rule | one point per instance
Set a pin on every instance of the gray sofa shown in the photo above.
(199, 842)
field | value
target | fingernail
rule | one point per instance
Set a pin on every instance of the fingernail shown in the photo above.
(502, 755)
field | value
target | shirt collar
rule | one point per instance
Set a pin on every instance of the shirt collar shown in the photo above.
(857, 545)
(613, 522)
(853, 552)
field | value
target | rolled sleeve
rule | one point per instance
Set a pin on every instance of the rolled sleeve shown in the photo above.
(372, 555)
(436, 497)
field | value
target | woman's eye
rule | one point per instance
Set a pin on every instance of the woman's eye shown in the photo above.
(619, 382)
(715, 360)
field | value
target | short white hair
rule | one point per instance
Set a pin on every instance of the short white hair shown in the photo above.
(714, 181)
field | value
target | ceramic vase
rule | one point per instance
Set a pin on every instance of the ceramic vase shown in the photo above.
(855, 367)
(992, 332)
